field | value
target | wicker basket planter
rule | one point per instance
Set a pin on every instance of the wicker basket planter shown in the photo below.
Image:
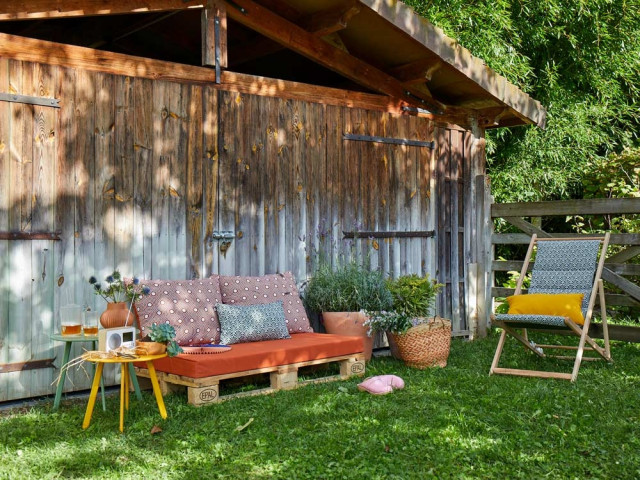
(425, 345)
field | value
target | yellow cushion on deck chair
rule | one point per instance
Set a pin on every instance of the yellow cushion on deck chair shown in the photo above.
(556, 304)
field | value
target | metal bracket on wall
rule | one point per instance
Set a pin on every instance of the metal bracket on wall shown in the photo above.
(30, 365)
(55, 236)
(222, 235)
(390, 234)
(394, 141)
(216, 29)
(42, 101)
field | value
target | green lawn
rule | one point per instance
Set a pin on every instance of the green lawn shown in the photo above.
(455, 422)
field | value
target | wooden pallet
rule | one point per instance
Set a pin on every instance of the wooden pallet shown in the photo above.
(203, 391)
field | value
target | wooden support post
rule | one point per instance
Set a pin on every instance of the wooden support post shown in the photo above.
(284, 379)
(198, 396)
(352, 366)
(214, 36)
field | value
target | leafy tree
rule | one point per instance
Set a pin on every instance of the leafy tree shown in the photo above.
(580, 58)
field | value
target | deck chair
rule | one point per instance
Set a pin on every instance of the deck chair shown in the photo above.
(561, 266)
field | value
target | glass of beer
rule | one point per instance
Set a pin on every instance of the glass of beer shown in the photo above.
(71, 319)
(90, 322)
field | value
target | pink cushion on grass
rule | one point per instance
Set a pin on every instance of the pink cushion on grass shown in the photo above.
(188, 305)
(268, 289)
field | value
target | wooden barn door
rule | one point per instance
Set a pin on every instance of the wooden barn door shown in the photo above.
(456, 224)
(28, 154)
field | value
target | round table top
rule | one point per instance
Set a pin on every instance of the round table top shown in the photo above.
(139, 358)
(74, 338)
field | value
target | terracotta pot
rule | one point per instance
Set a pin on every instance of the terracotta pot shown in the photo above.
(116, 315)
(150, 348)
(350, 324)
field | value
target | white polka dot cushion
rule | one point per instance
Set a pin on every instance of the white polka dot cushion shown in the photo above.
(266, 289)
(188, 305)
(251, 323)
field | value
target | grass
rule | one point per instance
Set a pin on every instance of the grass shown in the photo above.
(455, 422)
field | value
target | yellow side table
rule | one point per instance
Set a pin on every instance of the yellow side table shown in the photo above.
(124, 385)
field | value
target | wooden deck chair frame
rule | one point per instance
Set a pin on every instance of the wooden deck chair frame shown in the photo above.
(572, 327)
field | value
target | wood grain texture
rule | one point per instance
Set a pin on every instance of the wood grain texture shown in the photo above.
(6, 204)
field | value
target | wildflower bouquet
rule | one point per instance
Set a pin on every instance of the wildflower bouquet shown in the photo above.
(118, 290)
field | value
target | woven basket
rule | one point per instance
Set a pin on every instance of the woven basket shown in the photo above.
(425, 345)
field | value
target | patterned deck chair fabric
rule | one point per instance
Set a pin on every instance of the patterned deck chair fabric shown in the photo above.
(561, 266)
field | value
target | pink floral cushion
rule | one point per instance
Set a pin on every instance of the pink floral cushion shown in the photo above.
(188, 305)
(268, 289)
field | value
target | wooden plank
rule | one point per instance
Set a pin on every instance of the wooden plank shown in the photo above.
(272, 134)
(456, 166)
(315, 184)
(210, 178)
(591, 206)
(143, 174)
(414, 156)
(300, 183)
(34, 9)
(228, 170)
(176, 147)
(335, 154)
(104, 207)
(124, 175)
(428, 199)
(524, 239)
(290, 35)
(195, 161)
(282, 187)
(43, 198)
(403, 194)
(21, 174)
(442, 240)
(215, 12)
(331, 20)
(243, 208)
(6, 203)
(623, 284)
(624, 255)
(532, 373)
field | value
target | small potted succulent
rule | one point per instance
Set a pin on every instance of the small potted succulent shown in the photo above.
(343, 294)
(161, 339)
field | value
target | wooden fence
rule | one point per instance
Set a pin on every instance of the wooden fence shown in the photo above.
(527, 217)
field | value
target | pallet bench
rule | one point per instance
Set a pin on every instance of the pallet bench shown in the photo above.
(201, 374)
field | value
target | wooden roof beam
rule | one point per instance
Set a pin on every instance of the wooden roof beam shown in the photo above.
(294, 37)
(330, 21)
(419, 71)
(451, 53)
(34, 9)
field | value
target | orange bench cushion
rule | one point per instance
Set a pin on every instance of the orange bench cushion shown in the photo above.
(301, 347)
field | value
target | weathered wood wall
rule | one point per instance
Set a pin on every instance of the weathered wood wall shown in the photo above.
(139, 175)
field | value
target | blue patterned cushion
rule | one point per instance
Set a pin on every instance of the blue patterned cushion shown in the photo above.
(537, 319)
(251, 323)
(565, 267)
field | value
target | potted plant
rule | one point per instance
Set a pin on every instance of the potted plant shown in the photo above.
(161, 338)
(343, 294)
(119, 295)
(414, 337)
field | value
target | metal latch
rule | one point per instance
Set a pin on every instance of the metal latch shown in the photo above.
(223, 235)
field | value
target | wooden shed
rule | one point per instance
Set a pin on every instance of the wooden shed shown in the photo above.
(180, 138)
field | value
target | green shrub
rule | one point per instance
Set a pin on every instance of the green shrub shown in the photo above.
(351, 287)
(412, 295)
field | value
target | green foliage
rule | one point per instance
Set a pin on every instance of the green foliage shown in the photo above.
(617, 176)
(165, 333)
(412, 295)
(394, 322)
(581, 60)
(479, 427)
(351, 287)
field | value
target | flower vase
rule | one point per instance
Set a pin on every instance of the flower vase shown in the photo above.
(117, 314)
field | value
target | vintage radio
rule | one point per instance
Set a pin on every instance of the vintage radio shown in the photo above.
(112, 338)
